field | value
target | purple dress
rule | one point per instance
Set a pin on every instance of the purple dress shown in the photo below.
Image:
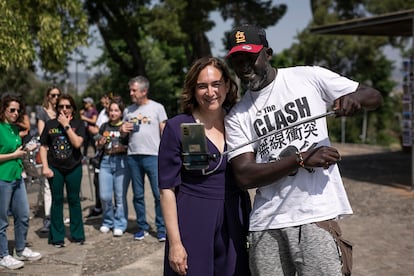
(212, 211)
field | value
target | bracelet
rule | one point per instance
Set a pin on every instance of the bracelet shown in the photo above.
(299, 159)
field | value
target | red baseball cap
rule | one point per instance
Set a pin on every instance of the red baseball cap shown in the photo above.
(247, 38)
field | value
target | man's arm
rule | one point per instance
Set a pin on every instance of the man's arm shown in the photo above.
(364, 97)
(250, 174)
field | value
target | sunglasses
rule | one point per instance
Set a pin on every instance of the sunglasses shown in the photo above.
(54, 95)
(12, 110)
(62, 106)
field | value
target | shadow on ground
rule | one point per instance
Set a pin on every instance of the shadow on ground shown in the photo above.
(385, 168)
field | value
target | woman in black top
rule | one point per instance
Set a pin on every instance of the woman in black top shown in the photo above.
(61, 157)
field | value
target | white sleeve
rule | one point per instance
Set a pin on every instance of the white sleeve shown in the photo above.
(236, 135)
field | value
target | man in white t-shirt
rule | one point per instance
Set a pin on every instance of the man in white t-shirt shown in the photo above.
(299, 187)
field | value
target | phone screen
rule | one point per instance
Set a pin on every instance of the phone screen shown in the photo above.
(195, 153)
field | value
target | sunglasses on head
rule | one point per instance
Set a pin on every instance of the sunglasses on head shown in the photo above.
(54, 95)
(62, 106)
(12, 110)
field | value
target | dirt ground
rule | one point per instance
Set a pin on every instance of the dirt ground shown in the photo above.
(378, 183)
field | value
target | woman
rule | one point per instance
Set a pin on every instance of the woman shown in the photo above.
(112, 171)
(89, 115)
(47, 112)
(205, 212)
(61, 141)
(12, 188)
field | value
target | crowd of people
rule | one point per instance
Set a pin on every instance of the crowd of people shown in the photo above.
(204, 215)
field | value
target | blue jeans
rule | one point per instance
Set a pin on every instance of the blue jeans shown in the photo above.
(112, 178)
(13, 195)
(139, 166)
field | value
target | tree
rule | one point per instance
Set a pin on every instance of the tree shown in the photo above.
(162, 40)
(48, 30)
(359, 57)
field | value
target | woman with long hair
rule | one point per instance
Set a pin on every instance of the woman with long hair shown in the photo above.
(13, 195)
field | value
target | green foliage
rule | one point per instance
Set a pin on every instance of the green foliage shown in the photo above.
(358, 57)
(46, 29)
(161, 39)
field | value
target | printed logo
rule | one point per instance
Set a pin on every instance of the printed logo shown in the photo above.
(240, 37)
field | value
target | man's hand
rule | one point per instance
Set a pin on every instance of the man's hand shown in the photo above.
(347, 105)
(321, 157)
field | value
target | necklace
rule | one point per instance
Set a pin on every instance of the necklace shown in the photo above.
(259, 111)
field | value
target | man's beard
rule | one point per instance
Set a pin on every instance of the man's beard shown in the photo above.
(255, 84)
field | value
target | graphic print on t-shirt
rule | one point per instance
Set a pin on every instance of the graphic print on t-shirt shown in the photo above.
(62, 149)
(274, 119)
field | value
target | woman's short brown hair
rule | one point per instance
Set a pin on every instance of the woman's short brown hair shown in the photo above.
(188, 100)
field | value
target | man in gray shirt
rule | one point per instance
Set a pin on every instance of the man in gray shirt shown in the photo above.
(144, 122)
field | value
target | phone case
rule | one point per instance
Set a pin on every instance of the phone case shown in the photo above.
(195, 154)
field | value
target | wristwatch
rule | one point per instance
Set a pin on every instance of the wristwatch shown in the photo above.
(67, 127)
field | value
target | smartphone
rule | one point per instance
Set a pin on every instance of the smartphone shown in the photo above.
(194, 142)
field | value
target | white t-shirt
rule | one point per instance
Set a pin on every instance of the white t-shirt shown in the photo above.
(102, 118)
(298, 93)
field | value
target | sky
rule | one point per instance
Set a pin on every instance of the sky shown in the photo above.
(280, 37)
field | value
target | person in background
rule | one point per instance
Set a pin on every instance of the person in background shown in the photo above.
(24, 127)
(206, 214)
(60, 151)
(113, 170)
(143, 122)
(300, 194)
(89, 115)
(94, 130)
(47, 112)
(12, 187)
(103, 115)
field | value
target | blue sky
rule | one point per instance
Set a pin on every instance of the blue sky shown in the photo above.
(280, 36)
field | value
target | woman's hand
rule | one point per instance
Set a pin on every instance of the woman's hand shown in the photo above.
(63, 119)
(101, 141)
(178, 259)
(19, 152)
(47, 172)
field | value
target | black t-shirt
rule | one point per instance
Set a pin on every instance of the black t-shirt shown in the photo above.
(61, 154)
(113, 136)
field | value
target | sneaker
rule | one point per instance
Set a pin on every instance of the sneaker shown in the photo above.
(28, 255)
(79, 242)
(10, 262)
(94, 212)
(140, 235)
(59, 244)
(46, 226)
(118, 233)
(104, 229)
(161, 237)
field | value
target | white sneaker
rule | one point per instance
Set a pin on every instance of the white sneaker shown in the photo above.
(118, 233)
(104, 229)
(10, 262)
(28, 255)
